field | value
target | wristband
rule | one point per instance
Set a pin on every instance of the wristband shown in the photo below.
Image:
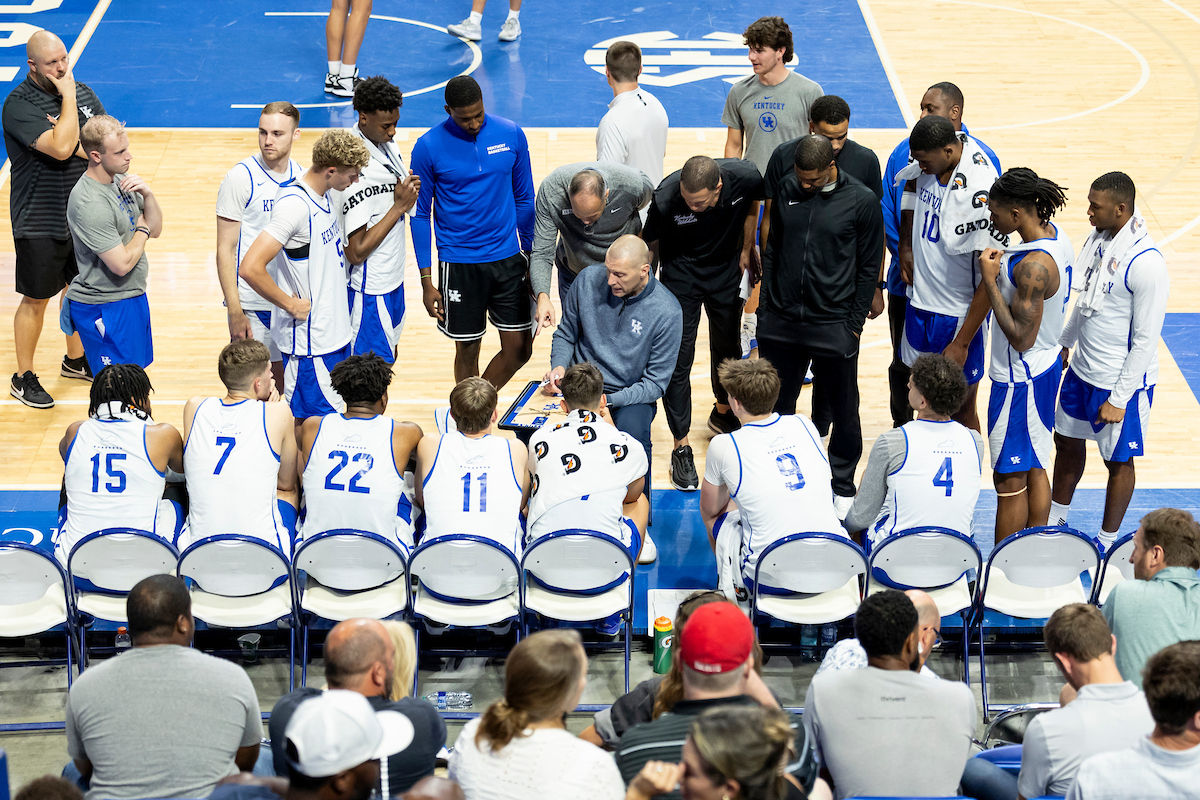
(881, 285)
(908, 202)
(143, 229)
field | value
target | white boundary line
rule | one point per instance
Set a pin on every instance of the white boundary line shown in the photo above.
(884, 58)
(1187, 227)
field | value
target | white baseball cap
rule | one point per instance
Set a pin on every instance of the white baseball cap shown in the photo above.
(337, 730)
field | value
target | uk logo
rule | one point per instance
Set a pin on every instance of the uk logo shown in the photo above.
(768, 122)
(454, 295)
(1133, 445)
(636, 326)
(1015, 459)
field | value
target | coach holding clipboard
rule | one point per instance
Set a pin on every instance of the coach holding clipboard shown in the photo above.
(620, 318)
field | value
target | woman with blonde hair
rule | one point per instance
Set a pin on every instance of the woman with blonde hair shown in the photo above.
(404, 662)
(520, 747)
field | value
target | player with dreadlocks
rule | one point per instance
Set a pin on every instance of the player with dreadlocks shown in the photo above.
(116, 463)
(1028, 286)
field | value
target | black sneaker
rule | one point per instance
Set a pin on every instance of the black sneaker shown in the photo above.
(723, 423)
(343, 86)
(683, 470)
(76, 368)
(28, 389)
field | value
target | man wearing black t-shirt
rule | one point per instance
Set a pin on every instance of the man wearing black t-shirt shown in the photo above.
(702, 226)
(42, 118)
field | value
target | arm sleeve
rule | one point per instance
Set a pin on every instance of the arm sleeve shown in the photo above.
(26, 122)
(1070, 333)
(545, 237)
(715, 460)
(866, 268)
(610, 143)
(664, 352)
(289, 221)
(562, 347)
(873, 487)
(523, 192)
(253, 732)
(1149, 284)
(95, 225)
(419, 222)
(891, 203)
(652, 230)
(875, 182)
(1035, 762)
(234, 194)
(776, 169)
(647, 191)
(730, 117)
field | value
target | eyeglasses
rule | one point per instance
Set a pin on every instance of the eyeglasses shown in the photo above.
(937, 635)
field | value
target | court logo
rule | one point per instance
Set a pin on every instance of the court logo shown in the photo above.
(571, 463)
(671, 61)
(541, 449)
(768, 122)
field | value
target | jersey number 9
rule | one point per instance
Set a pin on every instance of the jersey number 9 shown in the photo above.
(789, 468)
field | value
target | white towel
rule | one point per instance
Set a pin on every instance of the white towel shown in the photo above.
(966, 225)
(1101, 249)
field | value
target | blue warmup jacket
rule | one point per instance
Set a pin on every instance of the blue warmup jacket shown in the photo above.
(479, 190)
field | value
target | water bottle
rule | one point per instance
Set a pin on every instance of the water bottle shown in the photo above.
(449, 700)
(123, 642)
(829, 633)
(662, 645)
(808, 636)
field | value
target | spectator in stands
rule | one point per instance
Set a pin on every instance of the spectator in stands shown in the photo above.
(434, 788)
(883, 730)
(520, 747)
(849, 653)
(1162, 606)
(404, 664)
(49, 787)
(896, 491)
(1107, 714)
(334, 744)
(360, 657)
(716, 651)
(163, 719)
(1166, 764)
(731, 752)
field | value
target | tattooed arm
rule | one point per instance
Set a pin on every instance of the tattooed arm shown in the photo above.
(1035, 280)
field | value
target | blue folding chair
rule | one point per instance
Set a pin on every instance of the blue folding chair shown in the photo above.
(1116, 568)
(35, 598)
(579, 575)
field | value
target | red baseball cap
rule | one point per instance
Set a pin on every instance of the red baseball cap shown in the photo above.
(716, 638)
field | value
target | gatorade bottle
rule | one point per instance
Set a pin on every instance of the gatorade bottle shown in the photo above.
(662, 645)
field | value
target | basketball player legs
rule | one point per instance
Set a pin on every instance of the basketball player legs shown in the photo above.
(27, 329)
(1070, 459)
(345, 29)
(1022, 501)
(968, 414)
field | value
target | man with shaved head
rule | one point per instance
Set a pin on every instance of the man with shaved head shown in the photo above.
(42, 118)
(360, 657)
(849, 653)
(620, 318)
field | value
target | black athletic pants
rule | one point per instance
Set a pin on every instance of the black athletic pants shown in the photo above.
(724, 310)
(898, 371)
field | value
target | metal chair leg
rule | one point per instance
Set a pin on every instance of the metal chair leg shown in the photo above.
(417, 646)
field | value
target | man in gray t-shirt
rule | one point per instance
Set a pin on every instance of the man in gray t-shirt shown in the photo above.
(770, 107)
(111, 214)
(161, 720)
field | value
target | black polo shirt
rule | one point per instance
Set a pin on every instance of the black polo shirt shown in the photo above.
(41, 184)
(857, 161)
(703, 247)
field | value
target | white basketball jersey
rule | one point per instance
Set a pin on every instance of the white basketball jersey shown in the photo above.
(472, 487)
(1008, 365)
(582, 469)
(364, 204)
(942, 283)
(783, 483)
(263, 185)
(351, 479)
(937, 484)
(231, 472)
(316, 272)
(110, 480)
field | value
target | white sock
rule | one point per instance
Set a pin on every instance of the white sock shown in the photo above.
(1059, 512)
(348, 70)
(1106, 538)
(476, 17)
(513, 14)
(334, 67)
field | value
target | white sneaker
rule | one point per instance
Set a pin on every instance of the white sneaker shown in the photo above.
(468, 30)
(510, 30)
(344, 86)
(649, 552)
(841, 506)
(749, 334)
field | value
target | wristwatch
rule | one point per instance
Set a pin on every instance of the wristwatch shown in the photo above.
(881, 285)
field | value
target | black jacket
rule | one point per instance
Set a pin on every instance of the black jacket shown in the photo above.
(821, 263)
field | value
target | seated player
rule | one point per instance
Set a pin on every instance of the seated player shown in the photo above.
(586, 473)
(766, 480)
(925, 472)
(116, 463)
(463, 476)
(352, 464)
(239, 453)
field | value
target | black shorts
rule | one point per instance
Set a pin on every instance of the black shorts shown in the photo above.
(475, 293)
(44, 266)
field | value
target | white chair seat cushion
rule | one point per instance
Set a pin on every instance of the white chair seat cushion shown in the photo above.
(815, 609)
(950, 599)
(1029, 603)
(377, 603)
(36, 616)
(242, 612)
(108, 607)
(576, 608)
(462, 614)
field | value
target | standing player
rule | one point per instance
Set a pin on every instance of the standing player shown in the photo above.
(372, 218)
(701, 223)
(311, 321)
(345, 28)
(116, 463)
(244, 203)
(471, 27)
(239, 453)
(353, 463)
(946, 309)
(940, 100)
(42, 119)
(1028, 285)
(634, 130)
(1114, 328)
(468, 480)
(768, 479)
(477, 183)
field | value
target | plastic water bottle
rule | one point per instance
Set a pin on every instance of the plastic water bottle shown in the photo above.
(451, 700)
(123, 642)
(829, 634)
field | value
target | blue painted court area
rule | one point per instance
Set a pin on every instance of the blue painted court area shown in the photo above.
(169, 64)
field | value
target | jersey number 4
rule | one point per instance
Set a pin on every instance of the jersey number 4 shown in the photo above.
(944, 479)
(344, 459)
